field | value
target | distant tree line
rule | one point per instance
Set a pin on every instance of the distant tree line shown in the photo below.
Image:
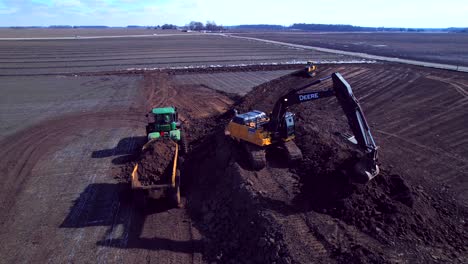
(260, 27)
(340, 28)
(212, 26)
(193, 26)
(168, 26)
(199, 26)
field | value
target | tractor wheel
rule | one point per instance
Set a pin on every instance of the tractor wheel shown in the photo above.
(183, 143)
(140, 199)
(175, 197)
(149, 128)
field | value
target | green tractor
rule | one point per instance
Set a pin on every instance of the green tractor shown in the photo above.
(165, 123)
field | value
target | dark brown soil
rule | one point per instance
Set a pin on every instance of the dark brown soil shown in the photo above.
(156, 161)
(313, 212)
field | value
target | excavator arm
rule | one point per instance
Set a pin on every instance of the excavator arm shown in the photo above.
(353, 111)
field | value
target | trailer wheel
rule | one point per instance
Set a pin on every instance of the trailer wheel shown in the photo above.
(183, 143)
(175, 197)
(149, 128)
(140, 199)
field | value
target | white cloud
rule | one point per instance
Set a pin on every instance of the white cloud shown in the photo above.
(67, 3)
(7, 11)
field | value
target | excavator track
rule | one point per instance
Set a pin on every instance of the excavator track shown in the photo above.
(293, 151)
(256, 156)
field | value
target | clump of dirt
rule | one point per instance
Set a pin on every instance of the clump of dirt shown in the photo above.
(123, 173)
(388, 209)
(155, 160)
(153, 163)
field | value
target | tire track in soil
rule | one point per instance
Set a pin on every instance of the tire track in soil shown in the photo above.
(158, 233)
(454, 84)
(299, 237)
(84, 202)
(24, 149)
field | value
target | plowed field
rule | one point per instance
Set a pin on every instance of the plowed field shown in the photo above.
(449, 48)
(95, 55)
(64, 139)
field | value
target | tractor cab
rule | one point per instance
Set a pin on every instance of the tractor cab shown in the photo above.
(164, 123)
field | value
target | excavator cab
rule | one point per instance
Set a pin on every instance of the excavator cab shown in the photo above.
(287, 129)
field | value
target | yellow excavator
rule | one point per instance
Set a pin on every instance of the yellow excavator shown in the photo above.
(256, 130)
(311, 69)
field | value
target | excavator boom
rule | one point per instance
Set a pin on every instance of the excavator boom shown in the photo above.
(353, 111)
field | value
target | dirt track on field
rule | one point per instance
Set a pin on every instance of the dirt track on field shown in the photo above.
(62, 204)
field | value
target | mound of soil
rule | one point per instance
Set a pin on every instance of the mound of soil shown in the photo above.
(155, 161)
(313, 212)
(227, 209)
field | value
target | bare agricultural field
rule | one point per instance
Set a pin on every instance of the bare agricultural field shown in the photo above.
(77, 32)
(449, 48)
(238, 83)
(66, 137)
(25, 57)
(28, 100)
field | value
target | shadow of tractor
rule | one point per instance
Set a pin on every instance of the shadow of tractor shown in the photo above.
(126, 150)
(111, 205)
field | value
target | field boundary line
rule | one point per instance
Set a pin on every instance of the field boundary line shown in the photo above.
(78, 37)
(359, 54)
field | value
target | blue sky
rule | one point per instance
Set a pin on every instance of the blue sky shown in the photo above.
(388, 13)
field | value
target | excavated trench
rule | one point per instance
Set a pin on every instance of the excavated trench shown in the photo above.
(312, 212)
